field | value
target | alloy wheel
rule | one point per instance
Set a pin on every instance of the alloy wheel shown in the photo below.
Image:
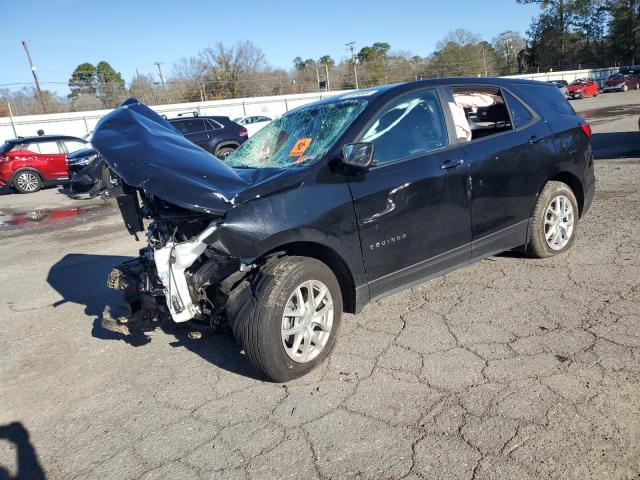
(307, 321)
(28, 181)
(558, 222)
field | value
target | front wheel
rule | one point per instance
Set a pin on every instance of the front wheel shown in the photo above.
(290, 322)
(625, 88)
(27, 182)
(555, 218)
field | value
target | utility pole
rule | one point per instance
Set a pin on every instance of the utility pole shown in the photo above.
(35, 78)
(157, 64)
(351, 46)
(484, 61)
(317, 77)
(507, 41)
(326, 70)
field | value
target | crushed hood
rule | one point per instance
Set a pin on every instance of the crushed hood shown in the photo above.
(147, 152)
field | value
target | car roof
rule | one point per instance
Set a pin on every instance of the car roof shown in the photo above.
(44, 138)
(375, 93)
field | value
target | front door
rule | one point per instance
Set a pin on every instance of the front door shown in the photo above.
(54, 159)
(412, 204)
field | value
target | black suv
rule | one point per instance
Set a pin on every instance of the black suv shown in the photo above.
(342, 202)
(217, 135)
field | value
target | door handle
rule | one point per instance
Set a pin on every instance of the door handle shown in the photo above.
(449, 164)
(535, 139)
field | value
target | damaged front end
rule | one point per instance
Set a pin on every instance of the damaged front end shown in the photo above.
(178, 276)
(183, 192)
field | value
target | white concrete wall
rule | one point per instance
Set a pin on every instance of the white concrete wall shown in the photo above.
(80, 123)
(599, 74)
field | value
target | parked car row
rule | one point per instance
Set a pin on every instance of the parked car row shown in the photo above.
(29, 163)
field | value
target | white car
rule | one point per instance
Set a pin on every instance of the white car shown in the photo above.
(253, 123)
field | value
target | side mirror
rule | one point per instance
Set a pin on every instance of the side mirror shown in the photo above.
(357, 155)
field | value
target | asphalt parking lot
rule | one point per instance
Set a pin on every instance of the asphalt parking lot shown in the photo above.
(509, 369)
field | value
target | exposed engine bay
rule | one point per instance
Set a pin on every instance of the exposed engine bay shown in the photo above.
(178, 275)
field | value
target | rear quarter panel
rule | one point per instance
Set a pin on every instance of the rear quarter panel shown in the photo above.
(569, 147)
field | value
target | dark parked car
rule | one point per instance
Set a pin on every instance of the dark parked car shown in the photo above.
(29, 163)
(217, 135)
(340, 203)
(621, 82)
(89, 173)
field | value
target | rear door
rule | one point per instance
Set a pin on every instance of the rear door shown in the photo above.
(412, 205)
(506, 171)
(54, 160)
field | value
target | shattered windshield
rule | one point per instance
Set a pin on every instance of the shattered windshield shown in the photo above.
(298, 137)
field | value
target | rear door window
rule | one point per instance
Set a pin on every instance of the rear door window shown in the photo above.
(520, 115)
(32, 147)
(411, 125)
(479, 111)
(193, 126)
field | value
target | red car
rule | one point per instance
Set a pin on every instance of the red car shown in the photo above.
(621, 82)
(583, 87)
(29, 163)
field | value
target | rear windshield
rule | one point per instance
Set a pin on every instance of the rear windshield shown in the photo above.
(5, 147)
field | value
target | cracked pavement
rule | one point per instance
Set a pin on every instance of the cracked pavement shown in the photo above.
(509, 368)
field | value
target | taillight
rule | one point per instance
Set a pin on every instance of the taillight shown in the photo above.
(586, 128)
(243, 132)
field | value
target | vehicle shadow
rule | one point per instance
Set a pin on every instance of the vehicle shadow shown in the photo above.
(27, 463)
(607, 146)
(6, 190)
(81, 279)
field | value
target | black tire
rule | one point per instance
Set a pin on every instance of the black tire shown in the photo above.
(256, 309)
(107, 176)
(224, 152)
(625, 88)
(538, 246)
(27, 181)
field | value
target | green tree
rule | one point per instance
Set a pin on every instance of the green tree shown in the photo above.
(326, 60)
(624, 30)
(83, 80)
(110, 85)
(462, 54)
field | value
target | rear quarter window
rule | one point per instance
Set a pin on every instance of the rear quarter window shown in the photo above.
(550, 98)
(520, 114)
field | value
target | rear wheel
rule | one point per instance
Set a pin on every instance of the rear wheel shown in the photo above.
(289, 323)
(27, 181)
(224, 152)
(554, 222)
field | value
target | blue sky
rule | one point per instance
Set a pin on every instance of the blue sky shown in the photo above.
(133, 34)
